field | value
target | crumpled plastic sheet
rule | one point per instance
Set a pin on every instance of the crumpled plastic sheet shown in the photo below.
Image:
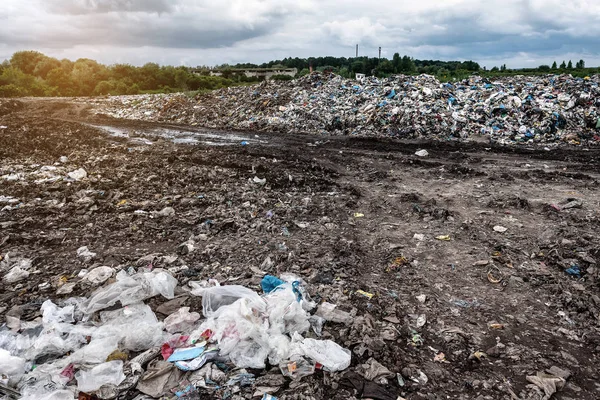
(251, 329)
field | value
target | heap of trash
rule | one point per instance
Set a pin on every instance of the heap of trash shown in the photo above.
(112, 344)
(508, 110)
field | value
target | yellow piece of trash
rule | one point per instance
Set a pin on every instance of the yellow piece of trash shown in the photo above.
(122, 203)
(358, 215)
(366, 294)
(443, 237)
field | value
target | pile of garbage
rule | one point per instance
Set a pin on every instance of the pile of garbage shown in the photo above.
(82, 347)
(517, 109)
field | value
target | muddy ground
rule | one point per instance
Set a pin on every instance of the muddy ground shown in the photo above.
(345, 214)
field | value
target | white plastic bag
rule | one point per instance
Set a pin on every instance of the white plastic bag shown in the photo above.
(13, 367)
(132, 289)
(215, 297)
(56, 395)
(286, 314)
(181, 321)
(135, 327)
(15, 275)
(96, 351)
(52, 314)
(329, 312)
(328, 353)
(99, 275)
(109, 373)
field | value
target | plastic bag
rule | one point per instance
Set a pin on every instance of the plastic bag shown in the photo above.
(15, 275)
(52, 314)
(286, 314)
(99, 275)
(329, 312)
(215, 297)
(249, 354)
(235, 326)
(269, 283)
(96, 351)
(109, 373)
(135, 327)
(132, 289)
(56, 395)
(181, 321)
(327, 353)
(13, 367)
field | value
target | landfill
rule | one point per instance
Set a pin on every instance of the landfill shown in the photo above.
(265, 265)
(545, 110)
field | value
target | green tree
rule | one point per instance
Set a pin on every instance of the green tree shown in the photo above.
(85, 76)
(44, 66)
(407, 65)
(386, 67)
(554, 65)
(396, 61)
(61, 80)
(580, 64)
(26, 61)
(544, 68)
(563, 65)
(103, 88)
(570, 65)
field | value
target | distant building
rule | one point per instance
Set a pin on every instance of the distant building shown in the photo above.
(265, 73)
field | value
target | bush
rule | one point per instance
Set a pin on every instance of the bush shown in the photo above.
(11, 90)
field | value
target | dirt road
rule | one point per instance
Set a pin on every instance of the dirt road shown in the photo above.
(465, 251)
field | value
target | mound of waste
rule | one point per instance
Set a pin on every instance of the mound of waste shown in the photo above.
(517, 109)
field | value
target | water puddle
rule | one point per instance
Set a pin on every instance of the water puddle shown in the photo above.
(182, 136)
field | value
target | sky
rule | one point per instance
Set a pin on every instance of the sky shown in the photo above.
(518, 33)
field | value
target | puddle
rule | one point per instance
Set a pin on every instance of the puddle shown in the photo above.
(182, 136)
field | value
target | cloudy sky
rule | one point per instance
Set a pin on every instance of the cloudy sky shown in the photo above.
(519, 33)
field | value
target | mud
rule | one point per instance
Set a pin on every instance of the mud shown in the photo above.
(503, 294)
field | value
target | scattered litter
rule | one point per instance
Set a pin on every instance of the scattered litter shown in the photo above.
(574, 270)
(500, 229)
(259, 181)
(78, 174)
(550, 384)
(366, 294)
(85, 254)
(422, 153)
(494, 275)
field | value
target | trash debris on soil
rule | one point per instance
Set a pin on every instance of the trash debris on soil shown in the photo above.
(302, 267)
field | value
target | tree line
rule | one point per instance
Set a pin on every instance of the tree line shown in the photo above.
(31, 73)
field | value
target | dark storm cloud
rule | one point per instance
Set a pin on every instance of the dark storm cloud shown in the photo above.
(130, 33)
(528, 32)
(78, 7)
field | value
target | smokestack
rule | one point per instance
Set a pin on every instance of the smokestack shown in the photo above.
(357, 51)
(380, 52)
